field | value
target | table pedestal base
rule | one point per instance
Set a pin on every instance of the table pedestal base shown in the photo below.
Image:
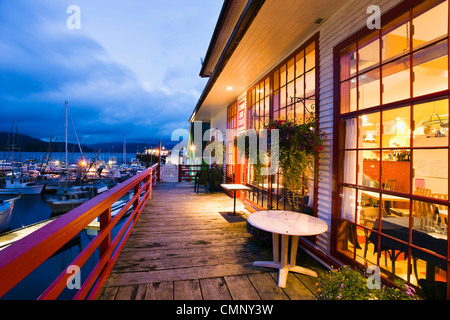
(280, 259)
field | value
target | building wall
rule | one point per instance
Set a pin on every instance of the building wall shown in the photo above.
(350, 18)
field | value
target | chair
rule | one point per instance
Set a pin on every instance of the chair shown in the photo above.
(201, 180)
(423, 209)
(368, 216)
(443, 210)
(390, 184)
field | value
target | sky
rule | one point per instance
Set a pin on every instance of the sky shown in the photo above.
(128, 68)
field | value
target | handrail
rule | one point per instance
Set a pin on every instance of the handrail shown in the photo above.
(24, 256)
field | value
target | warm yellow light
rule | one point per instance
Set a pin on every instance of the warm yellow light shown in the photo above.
(229, 88)
(192, 148)
(83, 163)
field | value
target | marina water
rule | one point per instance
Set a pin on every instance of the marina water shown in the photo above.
(32, 209)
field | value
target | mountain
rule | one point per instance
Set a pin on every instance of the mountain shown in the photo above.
(29, 144)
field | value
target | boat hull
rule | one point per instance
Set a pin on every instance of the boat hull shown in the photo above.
(5, 215)
(37, 189)
(59, 207)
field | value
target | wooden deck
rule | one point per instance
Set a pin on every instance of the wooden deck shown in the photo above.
(186, 247)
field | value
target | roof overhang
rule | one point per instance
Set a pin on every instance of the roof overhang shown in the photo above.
(265, 32)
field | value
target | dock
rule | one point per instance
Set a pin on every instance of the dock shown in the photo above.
(185, 246)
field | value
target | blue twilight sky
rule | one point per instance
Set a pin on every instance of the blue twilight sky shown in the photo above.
(132, 69)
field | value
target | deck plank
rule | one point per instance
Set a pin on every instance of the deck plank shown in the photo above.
(186, 247)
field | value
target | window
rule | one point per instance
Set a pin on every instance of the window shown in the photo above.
(231, 133)
(393, 183)
(288, 92)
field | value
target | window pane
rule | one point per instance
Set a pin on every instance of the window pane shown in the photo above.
(300, 87)
(369, 137)
(348, 96)
(300, 64)
(430, 171)
(310, 58)
(310, 105)
(396, 128)
(369, 52)
(348, 204)
(396, 80)
(290, 92)
(431, 69)
(395, 170)
(430, 25)
(396, 41)
(369, 89)
(283, 75)
(370, 177)
(299, 113)
(276, 100)
(350, 130)
(291, 73)
(349, 172)
(431, 124)
(283, 97)
(276, 80)
(348, 63)
(310, 83)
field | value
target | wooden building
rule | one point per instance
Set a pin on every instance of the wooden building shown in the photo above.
(375, 73)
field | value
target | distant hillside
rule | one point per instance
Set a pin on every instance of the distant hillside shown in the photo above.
(29, 144)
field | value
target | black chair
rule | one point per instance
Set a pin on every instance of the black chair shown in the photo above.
(201, 180)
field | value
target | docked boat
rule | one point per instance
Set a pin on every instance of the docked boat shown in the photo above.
(6, 207)
(20, 185)
(67, 199)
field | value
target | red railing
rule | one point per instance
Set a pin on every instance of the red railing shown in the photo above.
(22, 257)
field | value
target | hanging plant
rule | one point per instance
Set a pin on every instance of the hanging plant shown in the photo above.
(299, 146)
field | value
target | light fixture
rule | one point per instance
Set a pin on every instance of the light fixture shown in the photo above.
(229, 88)
(369, 137)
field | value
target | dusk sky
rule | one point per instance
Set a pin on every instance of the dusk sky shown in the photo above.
(131, 69)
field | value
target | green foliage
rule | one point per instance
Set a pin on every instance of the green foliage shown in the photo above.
(299, 145)
(346, 283)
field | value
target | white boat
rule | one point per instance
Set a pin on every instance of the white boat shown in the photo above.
(6, 207)
(20, 185)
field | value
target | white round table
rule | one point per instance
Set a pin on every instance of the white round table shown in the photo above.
(286, 224)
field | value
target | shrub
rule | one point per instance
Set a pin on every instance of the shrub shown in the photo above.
(346, 283)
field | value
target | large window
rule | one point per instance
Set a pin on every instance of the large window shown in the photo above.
(230, 159)
(393, 183)
(288, 92)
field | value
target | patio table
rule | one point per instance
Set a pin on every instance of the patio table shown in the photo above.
(286, 224)
(234, 187)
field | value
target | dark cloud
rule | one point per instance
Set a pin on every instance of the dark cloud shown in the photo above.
(42, 64)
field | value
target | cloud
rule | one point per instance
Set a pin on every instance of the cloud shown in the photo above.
(114, 89)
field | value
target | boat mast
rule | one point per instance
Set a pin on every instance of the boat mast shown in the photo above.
(67, 152)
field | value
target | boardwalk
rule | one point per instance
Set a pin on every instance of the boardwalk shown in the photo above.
(186, 247)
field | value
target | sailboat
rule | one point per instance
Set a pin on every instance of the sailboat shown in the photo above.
(17, 183)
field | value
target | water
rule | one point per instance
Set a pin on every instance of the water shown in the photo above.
(74, 157)
(31, 209)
